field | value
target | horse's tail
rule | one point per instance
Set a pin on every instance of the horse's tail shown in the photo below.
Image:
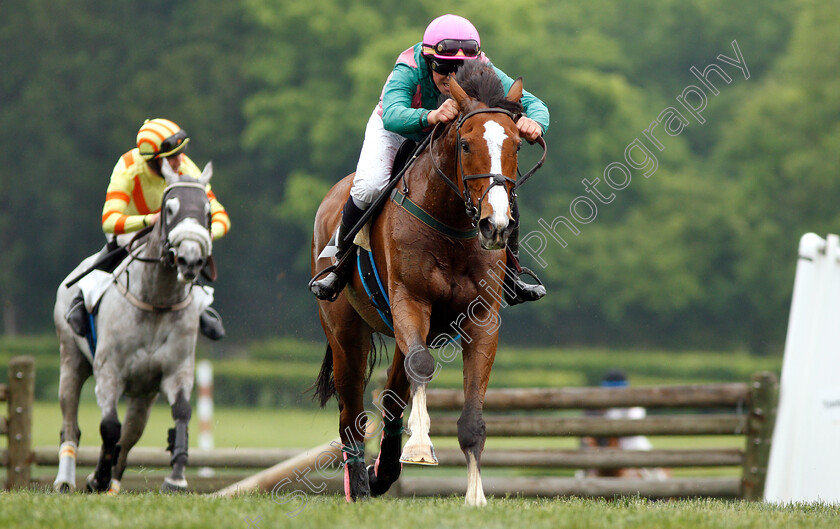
(324, 385)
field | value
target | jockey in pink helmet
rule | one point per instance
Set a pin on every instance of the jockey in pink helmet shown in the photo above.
(448, 40)
(408, 108)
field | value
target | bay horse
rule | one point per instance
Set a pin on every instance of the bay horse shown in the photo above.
(435, 272)
(146, 328)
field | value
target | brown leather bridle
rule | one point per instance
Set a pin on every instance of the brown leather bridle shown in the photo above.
(473, 211)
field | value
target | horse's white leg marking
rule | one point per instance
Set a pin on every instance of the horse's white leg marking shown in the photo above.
(495, 136)
(66, 477)
(418, 449)
(475, 492)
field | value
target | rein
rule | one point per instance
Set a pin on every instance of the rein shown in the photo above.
(474, 211)
(136, 257)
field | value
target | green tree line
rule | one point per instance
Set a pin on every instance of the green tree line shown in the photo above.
(700, 252)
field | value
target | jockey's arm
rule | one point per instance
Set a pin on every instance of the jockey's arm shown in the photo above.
(219, 219)
(397, 114)
(115, 217)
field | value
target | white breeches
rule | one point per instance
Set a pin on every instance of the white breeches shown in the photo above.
(375, 161)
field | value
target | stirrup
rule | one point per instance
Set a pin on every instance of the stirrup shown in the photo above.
(520, 287)
(331, 286)
(342, 275)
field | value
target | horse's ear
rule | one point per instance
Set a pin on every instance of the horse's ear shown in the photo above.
(458, 93)
(206, 174)
(515, 92)
(167, 172)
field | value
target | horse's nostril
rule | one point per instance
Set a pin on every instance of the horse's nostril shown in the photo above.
(486, 228)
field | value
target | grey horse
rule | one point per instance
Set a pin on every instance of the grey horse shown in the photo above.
(145, 334)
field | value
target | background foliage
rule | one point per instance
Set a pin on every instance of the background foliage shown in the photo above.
(277, 93)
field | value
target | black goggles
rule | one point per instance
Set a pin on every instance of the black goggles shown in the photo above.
(444, 67)
(451, 47)
(171, 143)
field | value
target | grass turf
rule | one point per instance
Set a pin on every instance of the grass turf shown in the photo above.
(32, 509)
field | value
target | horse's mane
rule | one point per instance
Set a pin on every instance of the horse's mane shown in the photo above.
(479, 81)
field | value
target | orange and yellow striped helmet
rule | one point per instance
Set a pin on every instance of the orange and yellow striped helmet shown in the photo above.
(159, 138)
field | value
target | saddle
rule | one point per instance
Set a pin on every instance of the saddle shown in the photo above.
(109, 259)
(406, 154)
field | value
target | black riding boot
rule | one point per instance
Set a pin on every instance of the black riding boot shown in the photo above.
(330, 287)
(516, 290)
(77, 315)
(210, 324)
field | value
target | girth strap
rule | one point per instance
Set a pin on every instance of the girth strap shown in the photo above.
(424, 217)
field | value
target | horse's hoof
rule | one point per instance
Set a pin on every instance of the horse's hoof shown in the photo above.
(93, 484)
(115, 488)
(64, 487)
(418, 454)
(478, 501)
(378, 485)
(356, 484)
(173, 485)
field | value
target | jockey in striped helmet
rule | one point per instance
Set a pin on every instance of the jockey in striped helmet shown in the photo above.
(133, 202)
(409, 108)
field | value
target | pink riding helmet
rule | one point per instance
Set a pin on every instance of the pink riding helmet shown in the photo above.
(451, 37)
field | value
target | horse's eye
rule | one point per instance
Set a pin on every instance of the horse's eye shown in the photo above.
(465, 147)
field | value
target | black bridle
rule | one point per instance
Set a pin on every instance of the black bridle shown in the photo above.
(187, 210)
(167, 256)
(497, 179)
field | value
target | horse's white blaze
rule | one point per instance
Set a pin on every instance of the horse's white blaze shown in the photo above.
(418, 449)
(495, 136)
(475, 492)
(499, 200)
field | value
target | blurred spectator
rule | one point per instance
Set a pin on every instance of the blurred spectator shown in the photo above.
(615, 378)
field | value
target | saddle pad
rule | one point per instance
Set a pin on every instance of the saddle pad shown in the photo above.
(373, 286)
(377, 294)
(362, 238)
(331, 249)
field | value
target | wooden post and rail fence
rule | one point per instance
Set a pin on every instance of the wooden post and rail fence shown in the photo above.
(19, 395)
(746, 410)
